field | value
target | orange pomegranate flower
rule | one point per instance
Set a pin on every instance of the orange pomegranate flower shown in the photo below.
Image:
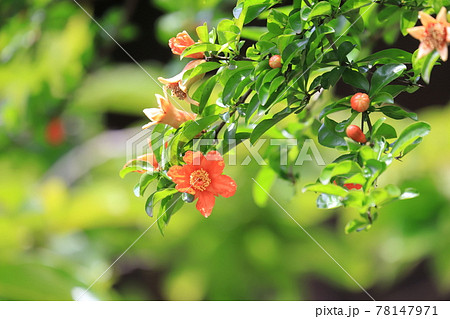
(179, 43)
(180, 88)
(433, 34)
(149, 158)
(166, 114)
(202, 177)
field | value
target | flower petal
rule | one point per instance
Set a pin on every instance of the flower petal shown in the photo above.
(442, 16)
(153, 114)
(424, 50)
(173, 80)
(205, 203)
(426, 19)
(222, 185)
(193, 158)
(443, 52)
(213, 163)
(417, 32)
(185, 188)
(179, 174)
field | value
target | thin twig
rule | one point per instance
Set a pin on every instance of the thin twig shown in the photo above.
(239, 102)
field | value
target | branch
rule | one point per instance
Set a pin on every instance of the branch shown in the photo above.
(239, 102)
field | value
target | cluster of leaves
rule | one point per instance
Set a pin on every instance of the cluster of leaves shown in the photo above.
(320, 44)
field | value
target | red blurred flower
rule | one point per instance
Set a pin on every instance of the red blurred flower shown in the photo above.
(350, 186)
(202, 177)
(433, 34)
(179, 43)
(55, 133)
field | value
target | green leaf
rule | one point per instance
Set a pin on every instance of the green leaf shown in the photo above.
(169, 206)
(227, 32)
(144, 182)
(396, 112)
(320, 8)
(388, 56)
(291, 51)
(202, 32)
(232, 84)
(201, 69)
(191, 129)
(382, 97)
(329, 79)
(266, 177)
(201, 47)
(203, 92)
(276, 22)
(338, 169)
(330, 189)
(135, 165)
(154, 198)
(409, 135)
(409, 193)
(408, 20)
(384, 130)
(343, 50)
(428, 64)
(353, 5)
(252, 107)
(328, 136)
(355, 79)
(355, 225)
(266, 124)
(385, 75)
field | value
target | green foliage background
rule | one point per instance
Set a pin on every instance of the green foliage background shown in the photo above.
(65, 215)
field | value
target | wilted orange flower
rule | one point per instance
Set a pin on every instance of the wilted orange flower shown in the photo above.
(202, 177)
(166, 114)
(179, 43)
(149, 157)
(178, 87)
(433, 34)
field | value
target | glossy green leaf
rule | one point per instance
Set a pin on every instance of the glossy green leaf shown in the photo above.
(396, 112)
(409, 135)
(330, 189)
(156, 197)
(355, 79)
(385, 75)
(319, 9)
(328, 136)
(201, 47)
(169, 206)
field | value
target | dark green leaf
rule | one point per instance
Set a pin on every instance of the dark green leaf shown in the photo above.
(385, 75)
(355, 79)
(156, 197)
(328, 136)
(397, 112)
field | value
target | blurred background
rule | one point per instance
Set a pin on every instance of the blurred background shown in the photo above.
(70, 98)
